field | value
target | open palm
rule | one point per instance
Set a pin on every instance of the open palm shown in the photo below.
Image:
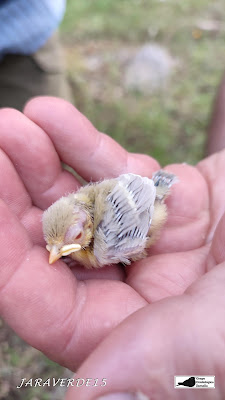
(66, 312)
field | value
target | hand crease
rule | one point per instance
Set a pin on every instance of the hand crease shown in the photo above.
(79, 304)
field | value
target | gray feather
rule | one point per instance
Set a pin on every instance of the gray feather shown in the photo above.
(123, 230)
(163, 181)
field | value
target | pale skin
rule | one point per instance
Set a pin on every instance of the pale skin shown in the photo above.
(166, 311)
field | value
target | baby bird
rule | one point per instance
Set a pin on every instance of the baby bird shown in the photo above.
(109, 222)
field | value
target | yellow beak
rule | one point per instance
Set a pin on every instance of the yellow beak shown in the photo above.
(56, 253)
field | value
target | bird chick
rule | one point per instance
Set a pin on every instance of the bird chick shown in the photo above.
(108, 222)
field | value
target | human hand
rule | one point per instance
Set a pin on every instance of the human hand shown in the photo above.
(179, 335)
(67, 317)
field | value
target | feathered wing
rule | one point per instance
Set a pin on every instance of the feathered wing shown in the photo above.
(163, 181)
(122, 232)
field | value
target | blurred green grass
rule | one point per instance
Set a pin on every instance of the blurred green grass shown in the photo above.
(170, 125)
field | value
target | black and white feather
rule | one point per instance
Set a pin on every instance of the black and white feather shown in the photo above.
(122, 232)
(163, 181)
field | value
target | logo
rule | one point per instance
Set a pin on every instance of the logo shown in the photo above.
(194, 382)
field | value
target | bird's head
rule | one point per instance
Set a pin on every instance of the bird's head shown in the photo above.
(67, 227)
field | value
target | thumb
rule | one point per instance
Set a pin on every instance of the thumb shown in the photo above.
(135, 357)
(182, 335)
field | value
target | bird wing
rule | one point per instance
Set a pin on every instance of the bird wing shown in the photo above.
(163, 181)
(122, 232)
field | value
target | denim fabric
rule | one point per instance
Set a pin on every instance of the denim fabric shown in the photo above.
(25, 25)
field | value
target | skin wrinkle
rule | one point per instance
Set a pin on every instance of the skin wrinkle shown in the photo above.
(159, 286)
(192, 221)
(50, 185)
(125, 161)
(178, 245)
(73, 334)
(217, 252)
(202, 266)
(206, 211)
(186, 220)
(96, 148)
(31, 216)
(174, 283)
(64, 184)
(208, 238)
(4, 154)
(155, 282)
(145, 297)
(11, 114)
(77, 337)
(9, 280)
(25, 212)
(210, 262)
(208, 172)
(86, 125)
(28, 205)
(45, 192)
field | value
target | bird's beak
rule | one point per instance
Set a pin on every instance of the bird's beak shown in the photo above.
(56, 253)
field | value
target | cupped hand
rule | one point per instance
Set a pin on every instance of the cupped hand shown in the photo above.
(65, 313)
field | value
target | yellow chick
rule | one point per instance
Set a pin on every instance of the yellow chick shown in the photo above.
(109, 222)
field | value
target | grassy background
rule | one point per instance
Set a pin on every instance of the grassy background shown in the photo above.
(171, 125)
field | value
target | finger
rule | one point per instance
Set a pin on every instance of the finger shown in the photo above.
(114, 272)
(34, 158)
(32, 222)
(12, 190)
(158, 277)
(217, 251)
(212, 168)
(168, 338)
(14, 194)
(92, 154)
(46, 305)
(188, 212)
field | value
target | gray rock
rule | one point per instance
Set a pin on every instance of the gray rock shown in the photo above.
(209, 25)
(149, 70)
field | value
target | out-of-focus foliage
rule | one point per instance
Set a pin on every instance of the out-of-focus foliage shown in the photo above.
(101, 35)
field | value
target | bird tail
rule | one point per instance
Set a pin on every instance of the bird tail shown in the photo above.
(163, 181)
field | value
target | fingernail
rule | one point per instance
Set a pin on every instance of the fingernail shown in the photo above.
(124, 396)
